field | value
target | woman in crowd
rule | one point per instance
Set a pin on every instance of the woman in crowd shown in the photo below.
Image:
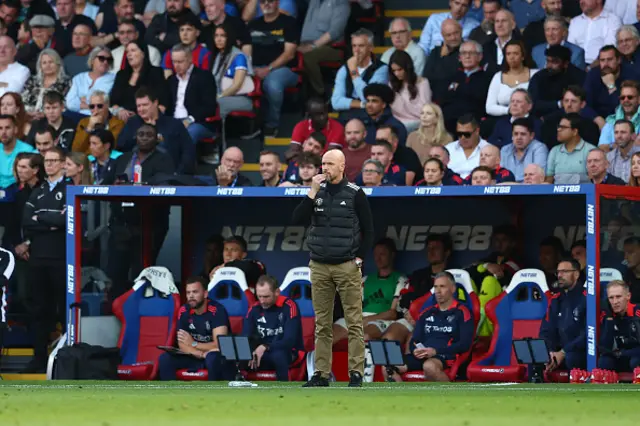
(634, 177)
(433, 173)
(11, 104)
(78, 169)
(137, 72)
(50, 76)
(411, 91)
(97, 78)
(430, 133)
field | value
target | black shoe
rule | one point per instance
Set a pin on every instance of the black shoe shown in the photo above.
(35, 367)
(355, 380)
(316, 381)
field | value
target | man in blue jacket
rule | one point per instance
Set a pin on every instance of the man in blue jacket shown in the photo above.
(563, 329)
(273, 325)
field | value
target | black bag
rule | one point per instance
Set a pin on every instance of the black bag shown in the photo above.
(86, 362)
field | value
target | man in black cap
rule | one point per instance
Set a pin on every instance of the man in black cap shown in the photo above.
(548, 85)
(378, 112)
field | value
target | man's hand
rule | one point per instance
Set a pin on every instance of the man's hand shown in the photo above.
(224, 176)
(261, 72)
(421, 353)
(161, 36)
(185, 338)
(257, 357)
(496, 270)
(94, 120)
(305, 48)
(315, 184)
(430, 352)
(83, 103)
(609, 80)
(409, 318)
(555, 360)
(352, 64)
(125, 114)
(186, 123)
(213, 271)
(22, 251)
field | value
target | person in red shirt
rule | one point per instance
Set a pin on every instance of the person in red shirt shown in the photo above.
(189, 28)
(318, 121)
(490, 157)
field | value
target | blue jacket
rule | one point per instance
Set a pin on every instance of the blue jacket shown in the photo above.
(621, 332)
(565, 323)
(598, 96)
(449, 332)
(577, 55)
(279, 326)
(502, 131)
(388, 119)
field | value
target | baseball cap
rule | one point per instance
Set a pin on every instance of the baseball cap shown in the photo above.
(44, 21)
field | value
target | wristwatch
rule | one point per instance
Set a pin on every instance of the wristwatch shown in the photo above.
(194, 344)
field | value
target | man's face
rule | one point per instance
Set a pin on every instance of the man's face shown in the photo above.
(629, 100)
(266, 296)
(400, 35)
(435, 253)
(556, 65)
(42, 34)
(459, 8)
(548, 258)
(467, 135)
(146, 138)
(233, 161)
(313, 146)
(385, 135)
(96, 147)
(146, 108)
(65, 9)
(533, 176)
(490, 157)
(481, 178)
(80, 37)
(24, 170)
(565, 132)
(632, 255)
(443, 289)
(307, 171)
(269, 166)
(490, 10)
(44, 142)
(53, 111)
(375, 106)
(8, 14)
(521, 137)
(181, 62)
(269, 7)
(213, 252)
(554, 33)
(596, 164)
(579, 253)
(318, 115)
(572, 103)
(7, 131)
(452, 35)
(503, 24)
(383, 257)
(195, 295)
(439, 153)
(623, 135)
(127, 33)
(619, 297)
(626, 42)
(331, 167)
(588, 6)
(519, 107)
(174, 7)
(213, 9)
(552, 7)
(188, 35)
(53, 163)
(382, 154)
(567, 275)
(354, 134)
(609, 64)
(371, 176)
(232, 251)
(360, 47)
(98, 107)
(469, 58)
(7, 50)
(124, 10)
(503, 244)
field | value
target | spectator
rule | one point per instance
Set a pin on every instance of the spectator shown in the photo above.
(163, 31)
(357, 150)
(9, 13)
(309, 165)
(216, 16)
(485, 32)
(519, 107)
(451, 178)
(137, 72)
(516, 73)
(315, 144)
(627, 42)
(431, 132)
(11, 148)
(352, 78)
(63, 127)
(490, 158)
(482, 176)
(524, 150)
(593, 29)
(551, 252)
(86, 9)
(506, 31)
(270, 168)
(378, 113)
(175, 139)
(128, 32)
(67, 21)
(34, 8)
(234, 254)
(548, 85)
(619, 157)
(467, 87)
(11, 104)
(534, 33)
(534, 175)
(50, 76)
(324, 24)
(77, 169)
(372, 175)
(200, 322)
(228, 173)
(631, 248)
(394, 174)
(403, 156)
(103, 155)
(401, 39)
(625, 10)
(155, 7)
(526, 12)
(189, 29)
(110, 31)
(100, 118)
(627, 110)
(465, 152)
(603, 83)
(567, 162)
(564, 329)
(318, 121)
(579, 252)
(251, 9)
(99, 78)
(42, 29)
(44, 140)
(597, 165)
(433, 173)
(274, 329)
(411, 92)
(634, 178)
(443, 60)
(431, 33)
(13, 75)
(213, 248)
(449, 334)
(555, 33)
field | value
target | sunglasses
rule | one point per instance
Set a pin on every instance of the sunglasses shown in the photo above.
(94, 106)
(104, 58)
(626, 97)
(465, 135)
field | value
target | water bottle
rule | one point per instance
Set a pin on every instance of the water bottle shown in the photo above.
(137, 174)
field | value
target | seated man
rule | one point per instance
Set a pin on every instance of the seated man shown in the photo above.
(309, 165)
(128, 32)
(401, 39)
(442, 332)
(563, 329)
(314, 144)
(189, 28)
(520, 106)
(443, 61)
(620, 330)
(450, 177)
(228, 172)
(274, 329)
(100, 118)
(200, 322)
(490, 157)
(482, 176)
(402, 155)
(318, 121)
(234, 254)
(379, 98)
(394, 174)
(63, 127)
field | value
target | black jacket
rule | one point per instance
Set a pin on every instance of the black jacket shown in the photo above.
(162, 23)
(546, 89)
(490, 53)
(465, 95)
(439, 70)
(241, 180)
(199, 98)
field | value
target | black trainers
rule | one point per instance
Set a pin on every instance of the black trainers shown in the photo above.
(355, 380)
(316, 381)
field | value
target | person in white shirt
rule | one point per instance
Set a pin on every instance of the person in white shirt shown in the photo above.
(593, 29)
(13, 75)
(400, 31)
(127, 33)
(464, 153)
(623, 9)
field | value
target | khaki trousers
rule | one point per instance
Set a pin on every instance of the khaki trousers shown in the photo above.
(346, 278)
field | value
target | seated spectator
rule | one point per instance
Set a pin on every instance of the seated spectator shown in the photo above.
(357, 150)
(432, 36)
(100, 118)
(443, 60)
(482, 176)
(99, 78)
(213, 248)
(103, 155)
(200, 322)
(232, 73)
(315, 144)
(190, 94)
(593, 29)
(564, 328)
(465, 152)
(604, 82)
(372, 175)
(228, 172)
(352, 78)
(634, 176)
(44, 140)
(430, 133)
(524, 150)
(215, 15)
(42, 29)
(324, 24)
(619, 346)
(433, 173)
(78, 169)
(485, 32)
(450, 178)
(189, 29)
(11, 104)
(534, 175)
(86, 9)
(520, 106)
(597, 166)
(394, 174)
(269, 168)
(11, 148)
(174, 137)
(401, 40)
(13, 75)
(128, 32)
(378, 113)
(619, 157)
(555, 33)
(67, 21)
(467, 87)
(309, 165)
(440, 337)
(50, 76)
(163, 31)
(288, 7)
(506, 31)
(627, 42)
(567, 162)
(63, 127)
(234, 254)
(112, 15)
(516, 73)
(76, 61)
(411, 91)
(274, 329)
(548, 85)
(10, 12)
(551, 252)
(137, 72)
(318, 121)
(631, 248)
(627, 110)
(403, 156)
(490, 157)
(573, 101)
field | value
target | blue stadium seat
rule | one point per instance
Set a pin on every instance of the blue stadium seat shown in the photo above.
(229, 288)
(297, 286)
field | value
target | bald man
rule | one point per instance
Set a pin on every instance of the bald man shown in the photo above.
(13, 75)
(228, 172)
(534, 175)
(340, 236)
(490, 157)
(358, 150)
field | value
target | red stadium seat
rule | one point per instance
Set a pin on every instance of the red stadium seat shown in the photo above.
(149, 316)
(516, 314)
(297, 371)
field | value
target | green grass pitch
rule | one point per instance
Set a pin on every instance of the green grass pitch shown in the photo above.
(185, 404)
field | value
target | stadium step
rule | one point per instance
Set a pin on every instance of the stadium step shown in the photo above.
(277, 141)
(15, 359)
(412, 13)
(23, 377)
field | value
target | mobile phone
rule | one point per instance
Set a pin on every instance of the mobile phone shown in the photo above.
(419, 345)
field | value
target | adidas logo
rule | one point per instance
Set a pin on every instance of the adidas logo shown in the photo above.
(262, 320)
